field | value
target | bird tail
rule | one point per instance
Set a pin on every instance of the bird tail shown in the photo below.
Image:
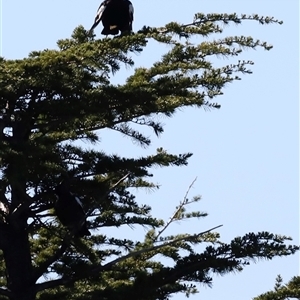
(83, 231)
(127, 29)
(109, 30)
(93, 27)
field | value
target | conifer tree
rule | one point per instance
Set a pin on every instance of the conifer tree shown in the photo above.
(281, 291)
(54, 98)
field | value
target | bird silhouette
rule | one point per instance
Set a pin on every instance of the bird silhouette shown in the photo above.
(69, 210)
(116, 15)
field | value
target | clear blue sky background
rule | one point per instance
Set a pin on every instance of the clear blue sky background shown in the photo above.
(246, 155)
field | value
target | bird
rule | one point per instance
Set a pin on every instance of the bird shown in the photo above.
(69, 210)
(116, 15)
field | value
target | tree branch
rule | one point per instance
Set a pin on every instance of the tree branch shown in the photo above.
(22, 207)
(67, 241)
(110, 190)
(40, 209)
(5, 292)
(137, 253)
(174, 216)
(53, 283)
(108, 266)
(39, 271)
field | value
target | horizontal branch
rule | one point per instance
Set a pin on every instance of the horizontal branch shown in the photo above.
(108, 266)
(40, 209)
(51, 284)
(154, 248)
(5, 292)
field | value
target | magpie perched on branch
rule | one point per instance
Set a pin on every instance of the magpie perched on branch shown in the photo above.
(116, 15)
(69, 210)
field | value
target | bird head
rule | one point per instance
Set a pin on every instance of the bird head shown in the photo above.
(63, 187)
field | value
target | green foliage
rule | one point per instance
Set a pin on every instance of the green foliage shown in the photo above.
(53, 99)
(281, 291)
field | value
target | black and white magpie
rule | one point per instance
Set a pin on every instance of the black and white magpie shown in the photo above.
(116, 15)
(69, 210)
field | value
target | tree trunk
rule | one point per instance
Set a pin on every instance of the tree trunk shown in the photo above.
(18, 264)
(16, 246)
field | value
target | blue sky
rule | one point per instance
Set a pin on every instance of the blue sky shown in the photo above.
(246, 155)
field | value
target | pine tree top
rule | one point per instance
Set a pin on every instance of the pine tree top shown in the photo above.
(55, 98)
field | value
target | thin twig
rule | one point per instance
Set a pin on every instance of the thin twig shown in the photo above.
(164, 30)
(110, 190)
(184, 202)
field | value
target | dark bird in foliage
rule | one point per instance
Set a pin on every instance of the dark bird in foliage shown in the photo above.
(116, 15)
(69, 211)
